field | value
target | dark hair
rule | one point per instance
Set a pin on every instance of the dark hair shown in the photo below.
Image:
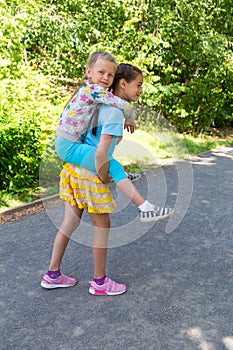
(125, 71)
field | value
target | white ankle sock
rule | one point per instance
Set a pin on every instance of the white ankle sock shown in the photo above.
(146, 206)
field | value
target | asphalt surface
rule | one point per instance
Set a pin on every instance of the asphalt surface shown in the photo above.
(179, 274)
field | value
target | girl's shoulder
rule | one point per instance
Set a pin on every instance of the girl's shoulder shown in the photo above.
(93, 87)
(110, 114)
(87, 87)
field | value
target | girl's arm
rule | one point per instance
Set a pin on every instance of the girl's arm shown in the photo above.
(94, 93)
(119, 139)
(101, 158)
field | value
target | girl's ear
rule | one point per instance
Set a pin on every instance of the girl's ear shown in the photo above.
(122, 83)
(88, 71)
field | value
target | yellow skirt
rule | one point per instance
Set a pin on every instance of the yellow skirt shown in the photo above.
(82, 188)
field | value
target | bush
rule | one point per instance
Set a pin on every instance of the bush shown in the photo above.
(20, 151)
(28, 116)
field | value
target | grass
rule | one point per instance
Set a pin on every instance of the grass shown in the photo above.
(162, 146)
(9, 200)
(139, 152)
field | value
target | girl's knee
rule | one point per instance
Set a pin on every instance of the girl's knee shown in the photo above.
(116, 170)
(101, 221)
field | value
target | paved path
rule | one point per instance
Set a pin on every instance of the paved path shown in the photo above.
(179, 274)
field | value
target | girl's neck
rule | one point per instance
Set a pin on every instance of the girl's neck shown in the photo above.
(119, 93)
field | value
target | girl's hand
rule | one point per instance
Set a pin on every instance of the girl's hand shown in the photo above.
(130, 127)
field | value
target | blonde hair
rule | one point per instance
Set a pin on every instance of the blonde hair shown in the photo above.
(99, 55)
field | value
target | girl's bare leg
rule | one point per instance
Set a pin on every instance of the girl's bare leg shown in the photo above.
(101, 223)
(71, 221)
(130, 191)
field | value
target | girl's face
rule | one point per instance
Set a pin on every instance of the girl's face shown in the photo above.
(102, 73)
(133, 90)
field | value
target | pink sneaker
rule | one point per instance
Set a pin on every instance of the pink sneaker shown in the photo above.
(62, 281)
(108, 288)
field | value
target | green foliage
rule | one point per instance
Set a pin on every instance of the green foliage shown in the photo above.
(25, 125)
(184, 49)
(189, 65)
(20, 152)
(62, 34)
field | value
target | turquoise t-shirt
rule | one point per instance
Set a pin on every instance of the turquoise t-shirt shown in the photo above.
(110, 122)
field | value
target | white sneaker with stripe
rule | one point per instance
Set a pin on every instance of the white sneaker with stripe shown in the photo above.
(159, 213)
